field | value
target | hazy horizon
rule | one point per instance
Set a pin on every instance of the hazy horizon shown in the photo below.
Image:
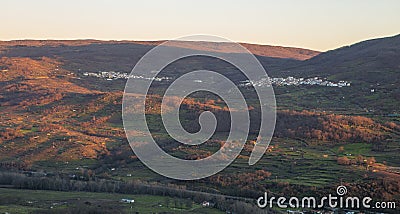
(162, 40)
(310, 24)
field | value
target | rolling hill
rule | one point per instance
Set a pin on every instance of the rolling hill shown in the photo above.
(55, 119)
(372, 66)
(260, 50)
(379, 56)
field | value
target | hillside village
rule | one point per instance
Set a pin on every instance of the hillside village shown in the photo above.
(280, 81)
(263, 82)
(114, 75)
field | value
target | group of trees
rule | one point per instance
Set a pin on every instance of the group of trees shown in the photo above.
(245, 184)
(27, 67)
(11, 165)
(383, 186)
(59, 183)
(358, 160)
(327, 127)
(26, 94)
(10, 133)
(313, 126)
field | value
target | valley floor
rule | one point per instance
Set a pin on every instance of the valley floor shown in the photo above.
(40, 201)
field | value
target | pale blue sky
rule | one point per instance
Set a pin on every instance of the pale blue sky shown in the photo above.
(315, 24)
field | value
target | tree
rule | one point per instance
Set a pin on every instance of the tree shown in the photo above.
(359, 159)
(343, 161)
(371, 160)
(341, 149)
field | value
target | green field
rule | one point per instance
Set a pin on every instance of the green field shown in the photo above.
(39, 201)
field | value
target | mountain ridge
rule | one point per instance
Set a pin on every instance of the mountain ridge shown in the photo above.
(257, 49)
(378, 53)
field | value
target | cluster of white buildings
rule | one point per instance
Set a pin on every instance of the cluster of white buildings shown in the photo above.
(263, 82)
(114, 75)
(280, 81)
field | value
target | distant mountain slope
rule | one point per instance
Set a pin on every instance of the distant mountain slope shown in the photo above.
(383, 51)
(362, 61)
(372, 67)
(92, 56)
(260, 50)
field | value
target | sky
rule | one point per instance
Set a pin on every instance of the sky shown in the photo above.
(314, 24)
